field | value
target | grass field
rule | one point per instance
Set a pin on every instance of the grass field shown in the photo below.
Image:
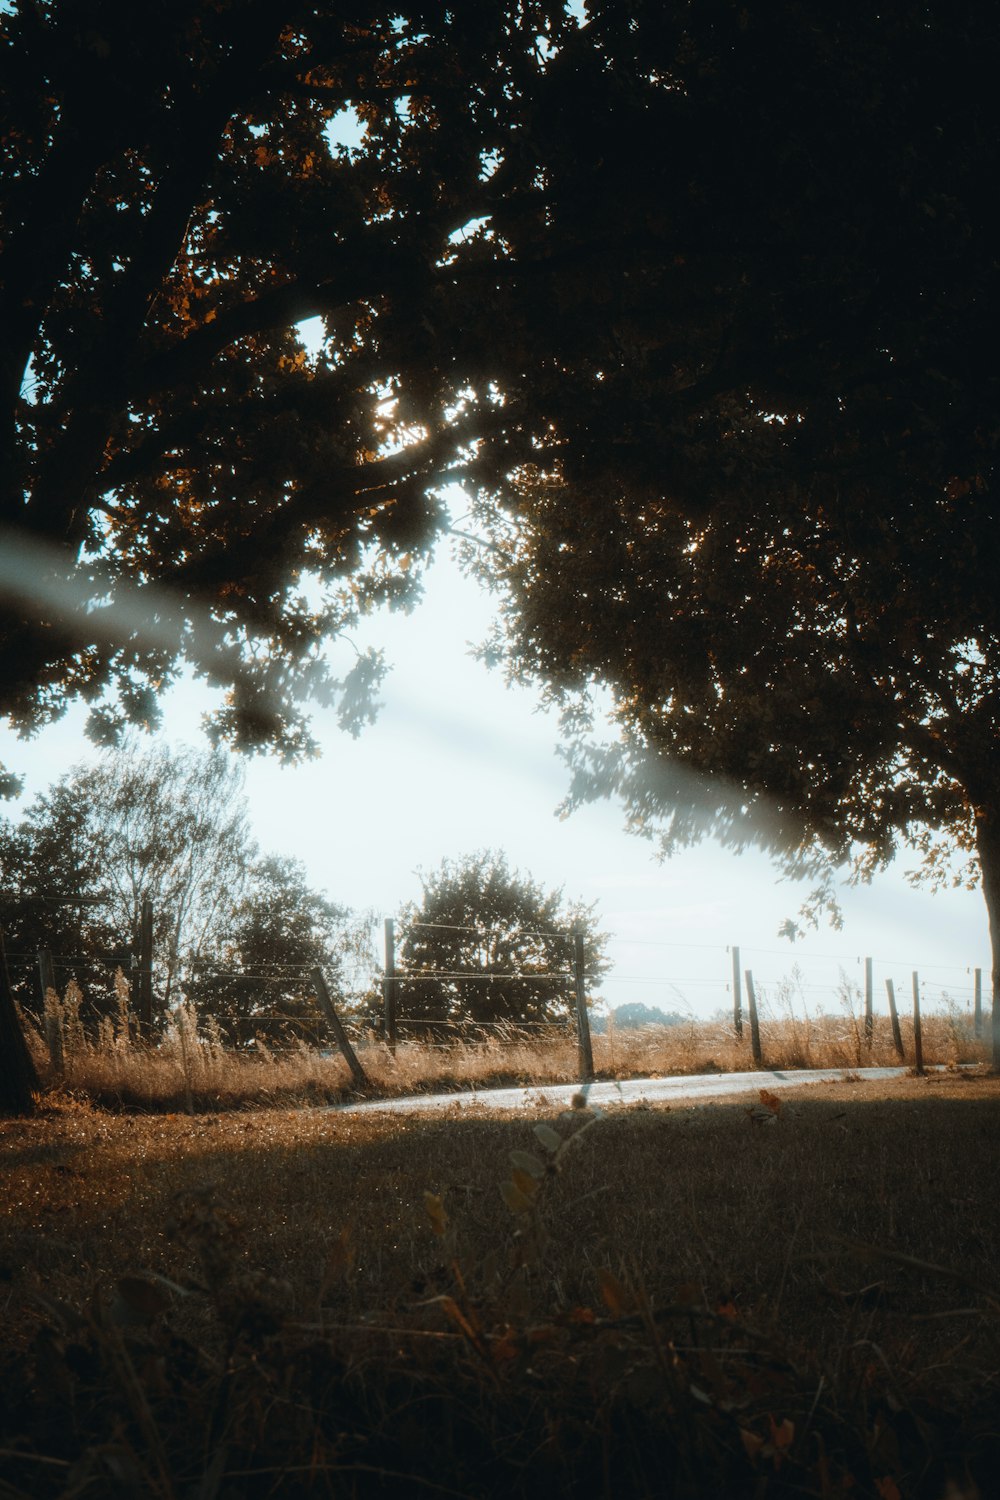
(662, 1302)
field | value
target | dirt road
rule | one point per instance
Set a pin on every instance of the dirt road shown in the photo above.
(625, 1091)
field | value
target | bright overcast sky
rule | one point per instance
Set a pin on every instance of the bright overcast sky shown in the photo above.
(458, 762)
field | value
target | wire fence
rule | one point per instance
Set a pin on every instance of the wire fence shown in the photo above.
(697, 980)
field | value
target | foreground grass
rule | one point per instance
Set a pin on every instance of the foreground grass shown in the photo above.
(191, 1070)
(675, 1302)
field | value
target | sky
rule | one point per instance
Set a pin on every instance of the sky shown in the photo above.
(458, 762)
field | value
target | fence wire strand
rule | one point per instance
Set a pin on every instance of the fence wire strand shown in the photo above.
(405, 976)
(550, 932)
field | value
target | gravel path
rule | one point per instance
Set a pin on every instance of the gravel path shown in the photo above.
(626, 1091)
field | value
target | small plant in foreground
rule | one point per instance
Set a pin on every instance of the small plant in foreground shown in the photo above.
(731, 1408)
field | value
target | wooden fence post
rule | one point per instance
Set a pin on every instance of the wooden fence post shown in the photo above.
(737, 995)
(758, 1056)
(144, 1008)
(50, 1022)
(978, 1002)
(389, 984)
(46, 970)
(586, 1051)
(918, 1041)
(336, 1026)
(869, 1004)
(897, 1036)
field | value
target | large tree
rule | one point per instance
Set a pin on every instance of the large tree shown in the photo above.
(491, 945)
(700, 298)
(763, 509)
(175, 205)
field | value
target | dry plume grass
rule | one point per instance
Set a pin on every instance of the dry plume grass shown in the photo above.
(190, 1068)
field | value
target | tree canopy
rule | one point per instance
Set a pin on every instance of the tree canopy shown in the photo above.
(767, 521)
(183, 481)
(494, 946)
(763, 510)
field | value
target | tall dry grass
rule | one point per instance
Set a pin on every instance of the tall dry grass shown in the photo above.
(189, 1067)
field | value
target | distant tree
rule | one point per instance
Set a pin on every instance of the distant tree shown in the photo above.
(164, 823)
(493, 944)
(256, 981)
(48, 861)
(234, 932)
(635, 1014)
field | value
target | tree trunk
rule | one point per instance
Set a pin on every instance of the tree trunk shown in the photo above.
(18, 1079)
(988, 847)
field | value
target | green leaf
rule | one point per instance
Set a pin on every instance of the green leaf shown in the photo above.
(549, 1138)
(524, 1182)
(517, 1201)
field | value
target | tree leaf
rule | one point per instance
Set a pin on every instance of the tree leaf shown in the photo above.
(517, 1201)
(617, 1299)
(434, 1206)
(548, 1137)
(143, 1295)
(751, 1442)
(524, 1182)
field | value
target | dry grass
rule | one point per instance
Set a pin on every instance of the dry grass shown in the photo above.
(692, 1304)
(192, 1070)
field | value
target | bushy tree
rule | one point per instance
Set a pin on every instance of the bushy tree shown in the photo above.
(50, 871)
(634, 1015)
(171, 825)
(494, 945)
(167, 824)
(256, 981)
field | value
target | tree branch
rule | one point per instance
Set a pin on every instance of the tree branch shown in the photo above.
(375, 267)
